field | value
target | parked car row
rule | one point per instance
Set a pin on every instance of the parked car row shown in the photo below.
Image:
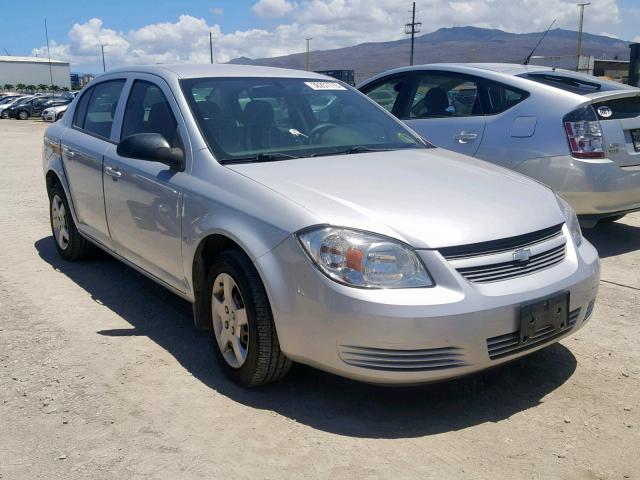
(574, 132)
(23, 107)
(307, 224)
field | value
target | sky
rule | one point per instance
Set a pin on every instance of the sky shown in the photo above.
(156, 31)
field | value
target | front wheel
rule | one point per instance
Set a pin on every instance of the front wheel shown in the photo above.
(59, 116)
(244, 334)
(23, 115)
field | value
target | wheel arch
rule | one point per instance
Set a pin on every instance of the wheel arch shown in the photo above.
(208, 249)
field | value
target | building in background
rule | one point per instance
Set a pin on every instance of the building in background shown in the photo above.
(86, 78)
(33, 71)
(75, 81)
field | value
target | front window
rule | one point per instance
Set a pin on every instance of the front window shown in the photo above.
(262, 119)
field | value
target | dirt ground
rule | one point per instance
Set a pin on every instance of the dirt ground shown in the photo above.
(103, 376)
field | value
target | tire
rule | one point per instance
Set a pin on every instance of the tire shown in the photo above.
(263, 362)
(23, 115)
(69, 243)
(4, 115)
(59, 116)
(608, 220)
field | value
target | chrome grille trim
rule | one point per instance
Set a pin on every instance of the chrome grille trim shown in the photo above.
(402, 360)
(509, 344)
(506, 270)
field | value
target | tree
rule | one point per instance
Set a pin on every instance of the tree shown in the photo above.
(8, 87)
(55, 88)
(20, 86)
(42, 87)
(30, 88)
(65, 89)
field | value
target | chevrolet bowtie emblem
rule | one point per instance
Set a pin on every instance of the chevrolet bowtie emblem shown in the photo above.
(522, 255)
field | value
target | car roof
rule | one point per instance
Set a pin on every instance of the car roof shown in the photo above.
(185, 70)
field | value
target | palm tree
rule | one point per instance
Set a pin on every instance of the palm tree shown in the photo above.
(42, 87)
(8, 87)
(20, 86)
(30, 88)
(55, 88)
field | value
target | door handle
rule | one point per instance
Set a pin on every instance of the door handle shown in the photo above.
(466, 137)
(113, 172)
(67, 151)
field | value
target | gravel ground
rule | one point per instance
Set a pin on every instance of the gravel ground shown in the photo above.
(103, 376)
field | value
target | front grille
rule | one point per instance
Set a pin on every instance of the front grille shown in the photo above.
(501, 245)
(402, 360)
(509, 344)
(506, 270)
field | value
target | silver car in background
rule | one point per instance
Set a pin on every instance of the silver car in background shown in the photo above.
(304, 223)
(576, 133)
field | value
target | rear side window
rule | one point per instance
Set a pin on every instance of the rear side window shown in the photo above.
(148, 111)
(445, 95)
(100, 108)
(501, 97)
(81, 109)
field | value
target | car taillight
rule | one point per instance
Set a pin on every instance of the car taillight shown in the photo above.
(584, 133)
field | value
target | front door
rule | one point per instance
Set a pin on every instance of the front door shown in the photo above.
(143, 199)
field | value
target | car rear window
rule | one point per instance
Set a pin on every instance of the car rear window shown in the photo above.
(574, 84)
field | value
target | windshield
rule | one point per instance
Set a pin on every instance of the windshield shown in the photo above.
(265, 119)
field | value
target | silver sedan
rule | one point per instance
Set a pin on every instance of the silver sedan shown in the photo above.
(306, 224)
(576, 133)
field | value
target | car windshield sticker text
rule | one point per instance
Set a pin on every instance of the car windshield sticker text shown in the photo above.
(324, 85)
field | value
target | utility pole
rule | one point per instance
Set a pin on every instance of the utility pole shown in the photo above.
(581, 5)
(307, 65)
(411, 29)
(104, 66)
(211, 46)
(46, 32)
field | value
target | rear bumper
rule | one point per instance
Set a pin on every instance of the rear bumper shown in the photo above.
(595, 188)
(418, 335)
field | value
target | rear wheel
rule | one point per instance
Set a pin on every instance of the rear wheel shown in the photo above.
(23, 114)
(69, 243)
(244, 335)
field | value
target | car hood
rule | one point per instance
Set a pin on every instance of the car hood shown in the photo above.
(429, 198)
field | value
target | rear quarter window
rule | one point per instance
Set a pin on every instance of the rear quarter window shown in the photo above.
(501, 98)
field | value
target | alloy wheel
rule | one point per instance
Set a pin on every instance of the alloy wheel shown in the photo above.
(59, 222)
(23, 115)
(230, 322)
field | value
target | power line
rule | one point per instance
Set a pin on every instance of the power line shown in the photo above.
(411, 29)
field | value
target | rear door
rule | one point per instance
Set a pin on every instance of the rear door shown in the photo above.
(446, 109)
(619, 115)
(83, 147)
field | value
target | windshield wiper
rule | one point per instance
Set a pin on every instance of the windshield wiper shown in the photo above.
(262, 157)
(350, 150)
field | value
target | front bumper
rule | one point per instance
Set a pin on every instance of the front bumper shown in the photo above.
(49, 117)
(594, 188)
(410, 336)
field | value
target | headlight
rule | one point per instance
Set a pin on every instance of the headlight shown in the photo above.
(571, 220)
(365, 260)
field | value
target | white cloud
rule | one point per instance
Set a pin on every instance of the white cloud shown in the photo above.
(272, 8)
(216, 11)
(331, 23)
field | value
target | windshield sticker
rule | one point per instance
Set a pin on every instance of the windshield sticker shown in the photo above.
(324, 86)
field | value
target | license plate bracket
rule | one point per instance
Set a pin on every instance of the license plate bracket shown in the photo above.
(539, 316)
(635, 138)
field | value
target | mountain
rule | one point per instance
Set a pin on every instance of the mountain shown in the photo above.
(455, 44)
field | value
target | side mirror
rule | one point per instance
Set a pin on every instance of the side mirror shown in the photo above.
(152, 147)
